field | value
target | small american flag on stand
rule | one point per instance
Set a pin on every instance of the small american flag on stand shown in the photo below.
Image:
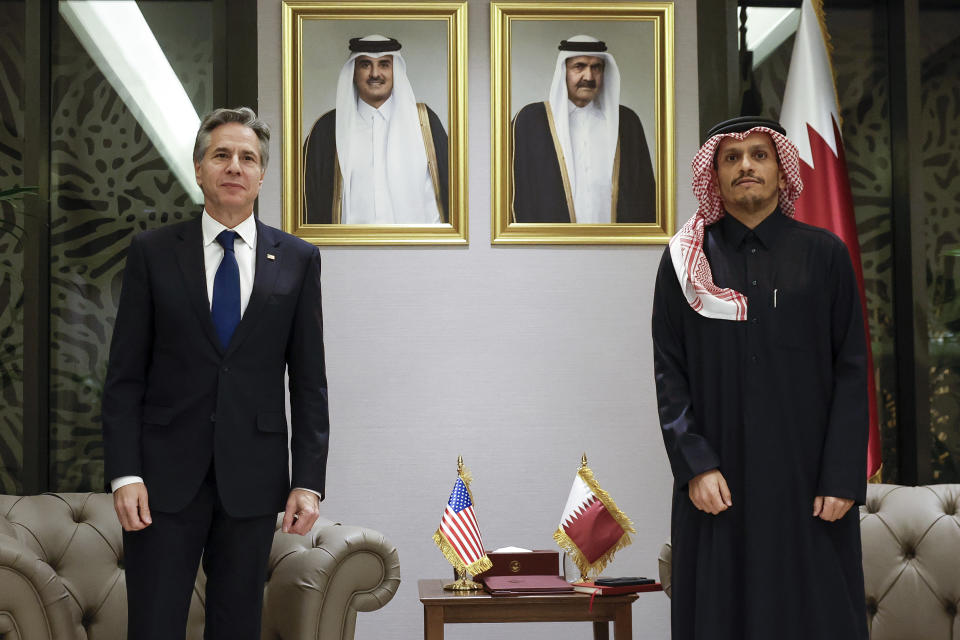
(459, 535)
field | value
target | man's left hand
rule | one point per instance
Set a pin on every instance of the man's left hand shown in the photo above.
(829, 508)
(301, 512)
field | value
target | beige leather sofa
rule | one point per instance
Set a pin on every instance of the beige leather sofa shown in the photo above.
(61, 575)
(911, 561)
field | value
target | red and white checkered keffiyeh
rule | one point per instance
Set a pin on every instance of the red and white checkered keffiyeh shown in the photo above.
(686, 247)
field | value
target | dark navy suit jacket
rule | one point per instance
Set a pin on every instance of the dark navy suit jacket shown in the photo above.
(175, 399)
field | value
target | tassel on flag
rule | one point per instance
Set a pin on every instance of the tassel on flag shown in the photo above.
(592, 528)
(459, 535)
(811, 118)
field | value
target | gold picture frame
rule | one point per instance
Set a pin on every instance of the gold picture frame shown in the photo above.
(530, 33)
(315, 47)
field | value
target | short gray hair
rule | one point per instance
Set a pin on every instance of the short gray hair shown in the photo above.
(243, 115)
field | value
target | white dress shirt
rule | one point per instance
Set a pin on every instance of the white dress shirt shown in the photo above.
(245, 249)
(592, 181)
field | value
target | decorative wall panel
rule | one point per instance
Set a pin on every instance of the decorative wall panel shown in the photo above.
(11, 249)
(940, 126)
(108, 183)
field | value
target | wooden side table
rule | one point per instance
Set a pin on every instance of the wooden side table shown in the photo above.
(446, 607)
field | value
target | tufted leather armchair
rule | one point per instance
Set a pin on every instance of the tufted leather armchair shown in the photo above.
(61, 575)
(911, 561)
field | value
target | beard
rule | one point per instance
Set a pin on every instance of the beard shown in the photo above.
(758, 198)
(754, 202)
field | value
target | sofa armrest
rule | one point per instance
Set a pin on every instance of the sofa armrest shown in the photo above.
(34, 603)
(663, 562)
(318, 583)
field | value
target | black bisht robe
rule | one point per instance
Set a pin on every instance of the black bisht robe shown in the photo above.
(320, 172)
(539, 194)
(779, 405)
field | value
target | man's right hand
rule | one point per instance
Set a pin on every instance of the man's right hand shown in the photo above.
(130, 503)
(708, 492)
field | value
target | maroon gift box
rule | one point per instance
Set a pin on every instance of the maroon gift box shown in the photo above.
(543, 562)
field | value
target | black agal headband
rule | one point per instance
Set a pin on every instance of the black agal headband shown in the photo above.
(745, 123)
(359, 45)
(589, 47)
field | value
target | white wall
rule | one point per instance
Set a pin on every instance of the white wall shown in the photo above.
(518, 358)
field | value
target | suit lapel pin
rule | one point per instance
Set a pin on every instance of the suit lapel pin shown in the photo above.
(270, 256)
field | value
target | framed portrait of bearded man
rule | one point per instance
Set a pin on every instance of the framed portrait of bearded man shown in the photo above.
(582, 122)
(374, 113)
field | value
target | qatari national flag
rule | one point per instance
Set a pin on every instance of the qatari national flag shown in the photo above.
(811, 118)
(591, 528)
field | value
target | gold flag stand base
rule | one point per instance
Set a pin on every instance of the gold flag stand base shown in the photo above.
(462, 583)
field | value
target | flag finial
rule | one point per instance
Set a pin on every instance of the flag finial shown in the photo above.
(583, 460)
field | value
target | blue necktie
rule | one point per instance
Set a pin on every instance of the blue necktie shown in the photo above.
(225, 309)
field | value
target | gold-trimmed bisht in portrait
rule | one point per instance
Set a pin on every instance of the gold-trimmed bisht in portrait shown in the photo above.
(582, 122)
(374, 113)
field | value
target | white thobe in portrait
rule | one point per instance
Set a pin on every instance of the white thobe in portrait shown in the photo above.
(371, 201)
(592, 180)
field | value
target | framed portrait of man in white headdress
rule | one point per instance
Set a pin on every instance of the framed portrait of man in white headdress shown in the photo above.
(582, 122)
(374, 141)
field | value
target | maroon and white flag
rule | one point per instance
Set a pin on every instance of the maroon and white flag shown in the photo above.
(811, 117)
(591, 528)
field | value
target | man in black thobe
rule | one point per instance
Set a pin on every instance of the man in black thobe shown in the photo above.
(760, 363)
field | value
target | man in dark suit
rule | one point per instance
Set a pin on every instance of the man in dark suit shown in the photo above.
(212, 314)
